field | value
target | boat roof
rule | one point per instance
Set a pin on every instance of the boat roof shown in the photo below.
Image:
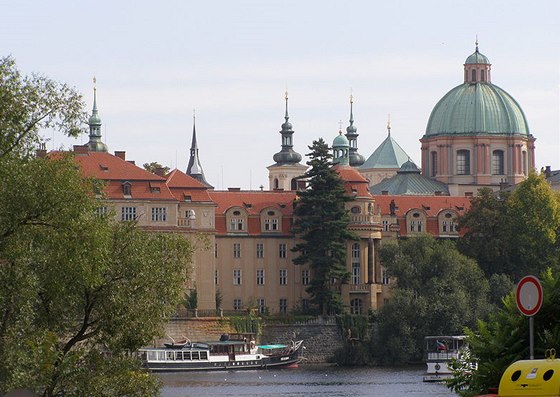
(277, 346)
(456, 337)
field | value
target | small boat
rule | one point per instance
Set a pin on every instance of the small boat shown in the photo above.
(177, 343)
(439, 351)
(232, 351)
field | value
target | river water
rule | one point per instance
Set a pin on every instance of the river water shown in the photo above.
(307, 380)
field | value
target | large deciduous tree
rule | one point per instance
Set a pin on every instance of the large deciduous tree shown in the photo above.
(437, 291)
(321, 222)
(514, 234)
(80, 292)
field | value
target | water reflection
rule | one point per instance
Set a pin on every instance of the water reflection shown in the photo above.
(308, 380)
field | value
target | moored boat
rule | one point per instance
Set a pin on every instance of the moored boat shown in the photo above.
(235, 351)
(439, 352)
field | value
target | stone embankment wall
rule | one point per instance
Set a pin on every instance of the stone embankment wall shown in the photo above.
(321, 338)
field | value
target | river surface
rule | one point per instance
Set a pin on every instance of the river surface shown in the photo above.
(307, 380)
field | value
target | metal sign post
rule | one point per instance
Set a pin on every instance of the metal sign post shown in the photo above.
(529, 297)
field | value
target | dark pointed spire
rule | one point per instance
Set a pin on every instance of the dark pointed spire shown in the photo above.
(356, 159)
(287, 155)
(194, 169)
(95, 144)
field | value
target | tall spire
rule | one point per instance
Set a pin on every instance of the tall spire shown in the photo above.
(194, 169)
(95, 144)
(287, 155)
(355, 158)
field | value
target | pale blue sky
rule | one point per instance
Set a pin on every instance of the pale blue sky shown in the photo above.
(232, 61)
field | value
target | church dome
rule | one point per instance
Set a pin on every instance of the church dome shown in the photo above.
(479, 108)
(340, 141)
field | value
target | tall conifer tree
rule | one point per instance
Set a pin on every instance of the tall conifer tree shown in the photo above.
(321, 223)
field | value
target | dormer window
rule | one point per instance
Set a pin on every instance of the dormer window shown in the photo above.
(270, 220)
(126, 188)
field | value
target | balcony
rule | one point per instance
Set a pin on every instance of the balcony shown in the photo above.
(365, 219)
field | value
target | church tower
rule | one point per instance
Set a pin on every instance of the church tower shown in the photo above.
(95, 144)
(283, 174)
(194, 169)
(356, 159)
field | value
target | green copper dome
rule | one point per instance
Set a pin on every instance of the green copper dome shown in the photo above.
(340, 141)
(479, 108)
(476, 58)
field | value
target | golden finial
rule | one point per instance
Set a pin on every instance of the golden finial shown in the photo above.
(351, 96)
(286, 94)
(389, 123)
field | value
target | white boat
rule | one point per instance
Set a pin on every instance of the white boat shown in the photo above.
(234, 351)
(439, 352)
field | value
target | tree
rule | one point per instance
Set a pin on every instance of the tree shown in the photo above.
(80, 292)
(321, 222)
(514, 234)
(504, 338)
(154, 167)
(437, 291)
(28, 104)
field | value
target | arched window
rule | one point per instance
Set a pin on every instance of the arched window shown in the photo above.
(276, 184)
(473, 74)
(498, 162)
(482, 75)
(463, 162)
(525, 165)
(293, 184)
(126, 188)
(356, 306)
(433, 168)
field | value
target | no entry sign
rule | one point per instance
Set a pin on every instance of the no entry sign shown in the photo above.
(529, 295)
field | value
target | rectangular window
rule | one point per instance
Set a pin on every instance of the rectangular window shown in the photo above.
(420, 225)
(385, 225)
(261, 305)
(283, 276)
(356, 273)
(385, 277)
(305, 277)
(444, 226)
(282, 250)
(216, 250)
(260, 276)
(412, 226)
(463, 162)
(216, 277)
(270, 224)
(237, 304)
(159, 214)
(236, 276)
(267, 224)
(236, 250)
(128, 213)
(283, 307)
(235, 224)
(100, 211)
(275, 224)
(260, 250)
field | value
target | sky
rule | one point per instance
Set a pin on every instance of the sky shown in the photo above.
(232, 61)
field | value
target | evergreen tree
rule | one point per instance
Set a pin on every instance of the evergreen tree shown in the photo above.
(321, 223)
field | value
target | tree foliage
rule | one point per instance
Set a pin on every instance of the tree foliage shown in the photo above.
(31, 103)
(438, 291)
(321, 222)
(80, 292)
(504, 338)
(514, 234)
(154, 166)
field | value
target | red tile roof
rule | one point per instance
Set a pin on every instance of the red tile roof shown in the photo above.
(186, 188)
(253, 201)
(355, 184)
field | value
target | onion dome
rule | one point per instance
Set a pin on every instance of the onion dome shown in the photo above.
(356, 159)
(95, 144)
(287, 155)
(341, 150)
(477, 107)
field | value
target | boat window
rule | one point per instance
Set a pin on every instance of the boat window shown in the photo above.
(204, 355)
(548, 374)
(515, 375)
(195, 355)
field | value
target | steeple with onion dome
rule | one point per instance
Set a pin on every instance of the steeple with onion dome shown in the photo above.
(95, 144)
(287, 155)
(285, 172)
(194, 169)
(356, 159)
(477, 68)
(341, 152)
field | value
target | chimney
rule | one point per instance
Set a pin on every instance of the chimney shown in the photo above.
(547, 172)
(120, 154)
(234, 189)
(80, 149)
(384, 192)
(160, 171)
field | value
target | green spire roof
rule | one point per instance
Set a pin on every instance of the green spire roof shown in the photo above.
(387, 155)
(95, 144)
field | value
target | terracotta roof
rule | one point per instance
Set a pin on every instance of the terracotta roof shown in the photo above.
(253, 201)
(354, 182)
(178, 179)
(106, 166)
(431, 205)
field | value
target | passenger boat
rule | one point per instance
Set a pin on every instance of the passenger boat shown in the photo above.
(439, 351)
(232, 351)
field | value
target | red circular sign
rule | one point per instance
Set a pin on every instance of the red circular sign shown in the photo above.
(529, 295)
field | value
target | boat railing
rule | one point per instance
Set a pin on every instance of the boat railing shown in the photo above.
(443, 355)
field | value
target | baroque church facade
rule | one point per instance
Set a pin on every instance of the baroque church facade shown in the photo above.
(477, 135)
